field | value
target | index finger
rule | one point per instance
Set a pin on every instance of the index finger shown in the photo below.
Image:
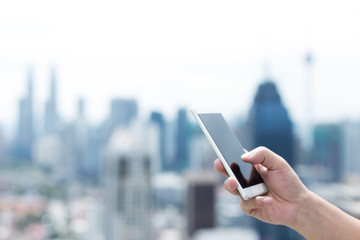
(219, 167)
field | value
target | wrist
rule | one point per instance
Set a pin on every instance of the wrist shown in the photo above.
(305, 210)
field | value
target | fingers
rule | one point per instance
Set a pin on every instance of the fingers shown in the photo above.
(220, 168)
(265, 157)
(250, 206)
(230, 185)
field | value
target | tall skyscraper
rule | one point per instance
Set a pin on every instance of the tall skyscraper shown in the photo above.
(157, 118)
(327, 152)
(25, 132)
(270, 126)
(351, 152)
(269, 122)
(84, 168)
(52, 120)
(309, 102)
(182, 136)
(129, 156)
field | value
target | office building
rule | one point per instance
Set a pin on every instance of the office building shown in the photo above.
(182, 137)
(85, 169)
(269, 122)
(201, 154)
(200, 201)
(52, 120)
(351, 152)
(269, 125)
(25, 131)
(128, 183)
(327, 152)
(157, 118)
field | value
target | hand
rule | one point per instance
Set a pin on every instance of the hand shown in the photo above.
(286, 192)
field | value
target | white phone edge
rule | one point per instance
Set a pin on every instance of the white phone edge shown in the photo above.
(246, 193)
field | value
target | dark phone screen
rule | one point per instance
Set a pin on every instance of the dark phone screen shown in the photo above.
(230, 148)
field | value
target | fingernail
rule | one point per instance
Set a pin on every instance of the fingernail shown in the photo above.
(267, 200)
(247, 155)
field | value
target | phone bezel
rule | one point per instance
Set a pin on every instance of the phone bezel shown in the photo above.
(246, 193)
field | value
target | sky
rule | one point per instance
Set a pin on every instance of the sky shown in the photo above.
(169, 54)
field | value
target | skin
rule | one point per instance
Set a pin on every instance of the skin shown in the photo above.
(289, 202)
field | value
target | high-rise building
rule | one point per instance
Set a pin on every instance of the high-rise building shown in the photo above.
(201, 201)
(201, 154)
(123, 112)
(351, 152)
(269, 122)
(25, 133)
(129, 155)
(270, 126)
(182, 136)
(327, 152)
(157, 118)
(51, 121)
(309, 102)
(85, 169)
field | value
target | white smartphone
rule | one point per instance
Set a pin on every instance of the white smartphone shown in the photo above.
(229, 150)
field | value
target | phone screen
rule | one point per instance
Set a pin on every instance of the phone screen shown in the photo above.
(230, 148)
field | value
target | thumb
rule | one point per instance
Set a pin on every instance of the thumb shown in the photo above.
(265, 157)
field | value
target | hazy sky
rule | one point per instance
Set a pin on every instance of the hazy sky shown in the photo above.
(168, 54)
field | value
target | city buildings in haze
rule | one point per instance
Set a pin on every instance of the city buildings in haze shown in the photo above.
(128, 188)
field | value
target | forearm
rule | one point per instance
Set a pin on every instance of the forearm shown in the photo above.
(319, 219)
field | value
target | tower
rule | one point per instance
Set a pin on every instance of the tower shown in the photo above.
(308, 94)
(269, 123)
(25, 132)
(270, 126)
(181, 141)
(51, 114)
(157, 118)
(128, 187)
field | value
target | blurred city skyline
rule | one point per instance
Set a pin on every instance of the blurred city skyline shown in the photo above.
(96, 141)
(169, 55)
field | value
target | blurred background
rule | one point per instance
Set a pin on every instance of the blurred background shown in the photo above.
(96, 139)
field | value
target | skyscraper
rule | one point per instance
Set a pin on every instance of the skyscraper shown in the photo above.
(351, 152)
(182, 136)
(84, 167)
(327, 152)
(25, 132)
(269, 122)
(158, 119)
(270, 126)
(129, 156)
(123, 111)
(52, 120)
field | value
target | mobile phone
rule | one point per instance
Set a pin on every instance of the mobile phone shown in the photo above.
(229, 150)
